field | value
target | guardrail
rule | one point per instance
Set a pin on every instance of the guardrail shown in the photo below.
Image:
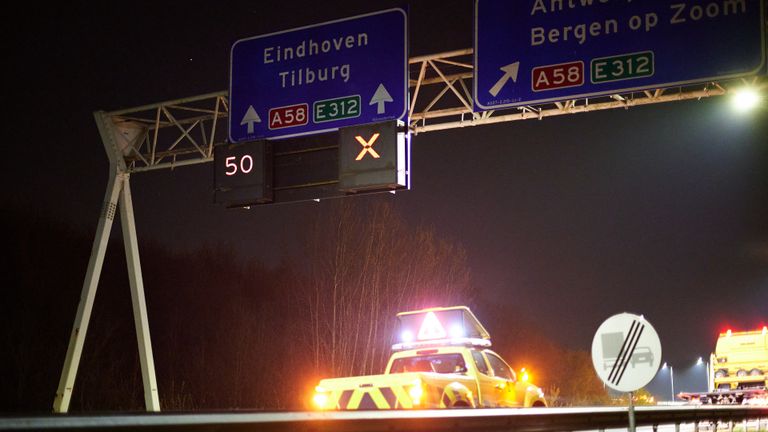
(525, 420)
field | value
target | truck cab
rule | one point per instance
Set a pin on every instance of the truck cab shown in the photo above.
(740, 360)
(738, 370)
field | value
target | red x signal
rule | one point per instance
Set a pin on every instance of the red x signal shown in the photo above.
(367, 147)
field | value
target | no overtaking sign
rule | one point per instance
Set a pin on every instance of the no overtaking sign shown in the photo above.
(626, 352)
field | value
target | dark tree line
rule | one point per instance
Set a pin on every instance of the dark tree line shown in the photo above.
(230, 333)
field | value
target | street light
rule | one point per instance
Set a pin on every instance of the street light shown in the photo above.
(745, 99)
(671, 378)
(700, 362)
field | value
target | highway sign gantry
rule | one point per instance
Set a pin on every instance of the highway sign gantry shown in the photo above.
(538, 51)
(319, 78)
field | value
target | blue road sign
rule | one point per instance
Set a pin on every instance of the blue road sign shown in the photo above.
(537, 51)
(321, 77)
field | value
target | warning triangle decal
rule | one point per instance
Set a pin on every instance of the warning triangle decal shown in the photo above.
(431, 328)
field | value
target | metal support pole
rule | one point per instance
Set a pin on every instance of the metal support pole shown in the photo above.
(151, 399)
(672, 382)
(118, 192)
(631, 412)
(83, 316)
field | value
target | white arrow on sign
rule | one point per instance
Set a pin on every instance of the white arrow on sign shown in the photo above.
(251, 117)
(381, 96)
(510, 71)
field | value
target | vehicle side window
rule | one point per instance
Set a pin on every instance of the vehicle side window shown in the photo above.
(480, 362)
(500, 369)
(440, 363)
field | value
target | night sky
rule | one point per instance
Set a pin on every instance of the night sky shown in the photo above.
(660, 210)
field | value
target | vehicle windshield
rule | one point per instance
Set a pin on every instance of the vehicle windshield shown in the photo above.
(440, 363)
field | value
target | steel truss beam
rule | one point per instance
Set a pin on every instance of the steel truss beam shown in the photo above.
(184, 132)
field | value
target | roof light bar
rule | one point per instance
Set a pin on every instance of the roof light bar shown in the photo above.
(475, 342)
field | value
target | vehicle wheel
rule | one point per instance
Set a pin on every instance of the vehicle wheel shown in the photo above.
(539, 404)
(460, 404)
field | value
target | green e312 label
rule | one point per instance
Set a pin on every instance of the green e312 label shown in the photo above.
(336, 109)
(622, 67)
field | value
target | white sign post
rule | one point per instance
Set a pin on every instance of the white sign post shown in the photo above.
(626, 353)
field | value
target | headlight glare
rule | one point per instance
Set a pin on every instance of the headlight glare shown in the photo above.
(416, 391)
(320, 399)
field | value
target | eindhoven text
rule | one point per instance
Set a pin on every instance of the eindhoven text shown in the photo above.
(310, 47)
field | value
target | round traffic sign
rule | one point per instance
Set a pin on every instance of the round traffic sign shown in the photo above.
(626, 352)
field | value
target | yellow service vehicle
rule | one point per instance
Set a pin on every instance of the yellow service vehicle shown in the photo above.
(738, 370)
(442, 361)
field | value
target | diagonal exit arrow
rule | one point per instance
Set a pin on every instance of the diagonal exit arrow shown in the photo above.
(250, 117)
(510, 71)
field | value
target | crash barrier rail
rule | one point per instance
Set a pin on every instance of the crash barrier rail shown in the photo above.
(742, 418)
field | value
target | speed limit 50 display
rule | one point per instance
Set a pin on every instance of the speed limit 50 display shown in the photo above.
(243, 173)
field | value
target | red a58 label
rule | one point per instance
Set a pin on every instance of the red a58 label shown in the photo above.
(288, 116)
(557, 76)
